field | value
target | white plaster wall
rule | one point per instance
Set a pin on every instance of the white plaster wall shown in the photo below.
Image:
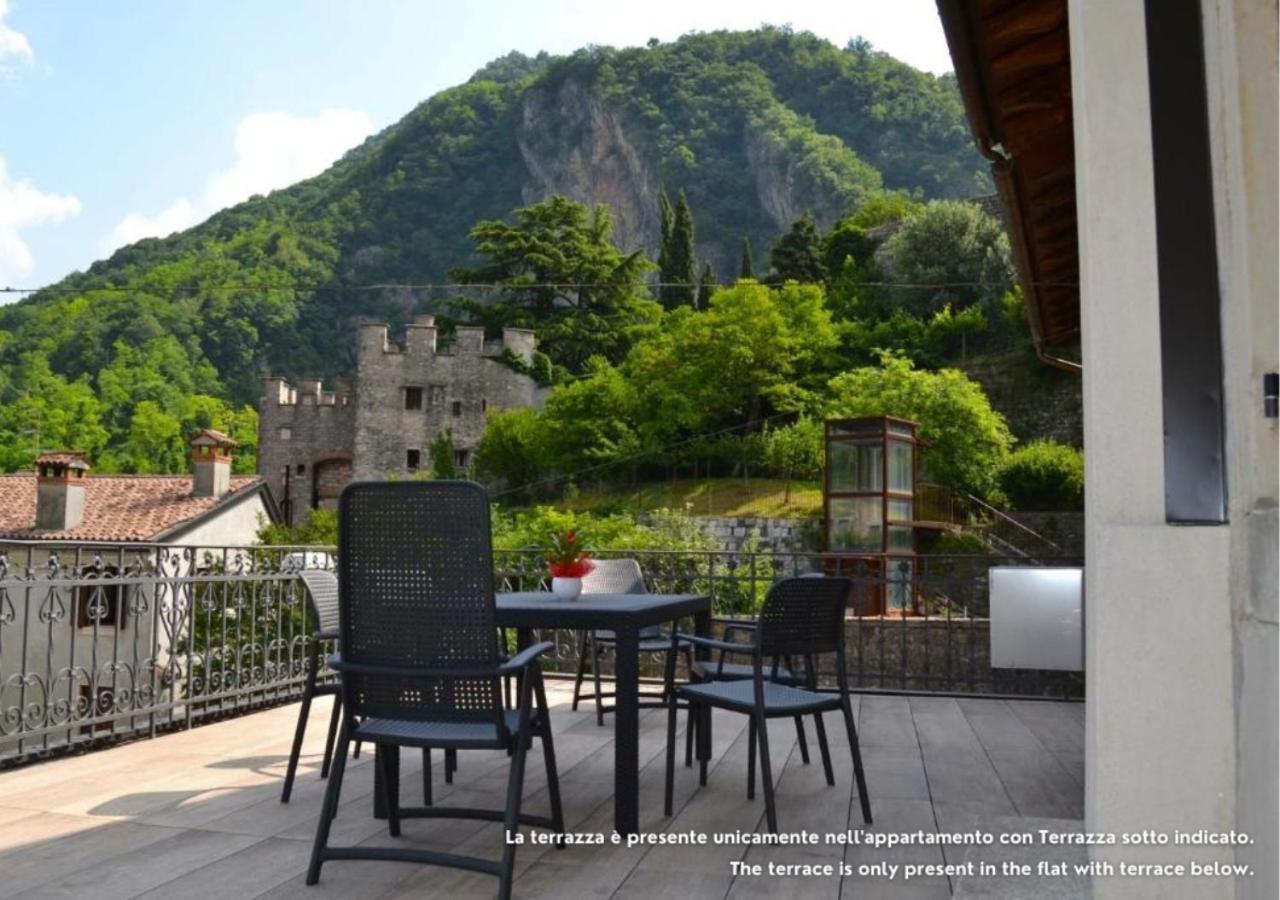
(1241, 70)
(236, 525)
(1180, 633)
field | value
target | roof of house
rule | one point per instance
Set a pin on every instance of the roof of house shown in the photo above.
(120, 508)
(72, 458)
(215, 438)
(1013, 66)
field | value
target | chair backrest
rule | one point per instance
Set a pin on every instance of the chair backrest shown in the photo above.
(614, 576)
(322, 589)
(801, 616)
(415, 571)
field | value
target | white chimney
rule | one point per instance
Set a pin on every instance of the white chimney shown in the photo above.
(211, 461)
(60, 480)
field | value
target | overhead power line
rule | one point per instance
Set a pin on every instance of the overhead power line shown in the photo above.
(461, 286)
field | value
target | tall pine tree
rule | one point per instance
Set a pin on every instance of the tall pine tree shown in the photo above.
(748, 269)
(706, 285)
(797, 256)
(675, 260)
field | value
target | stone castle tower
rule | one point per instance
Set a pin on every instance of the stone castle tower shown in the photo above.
(311, 441)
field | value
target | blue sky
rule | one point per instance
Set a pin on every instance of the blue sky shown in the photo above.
(123, 120)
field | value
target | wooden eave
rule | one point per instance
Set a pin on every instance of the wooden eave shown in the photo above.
(1013, 66)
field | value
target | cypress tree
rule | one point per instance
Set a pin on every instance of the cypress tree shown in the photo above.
(748, 267)
(706, 285)
(678, 274)
(666, 221)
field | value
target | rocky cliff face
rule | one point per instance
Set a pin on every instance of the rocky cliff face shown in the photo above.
(576, 146)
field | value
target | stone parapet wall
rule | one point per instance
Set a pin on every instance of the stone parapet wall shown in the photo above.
(734, 533)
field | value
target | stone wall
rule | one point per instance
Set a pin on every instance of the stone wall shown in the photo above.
(457, 385)
(774, 535)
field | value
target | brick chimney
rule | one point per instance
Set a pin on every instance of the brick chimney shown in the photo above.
(211, 461)
(60, 480)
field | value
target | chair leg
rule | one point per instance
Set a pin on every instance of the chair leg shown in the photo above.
(595, 676)
(859, 776)
(802, 740)
(511, 817)
(549, 759)
(691, 728)
(330, 807)
(426, 776)
(766, 772)
(704, 729)
(823, 748)
(296, 751)
(690, 731)
(334, 718)
(389, 797)
(751, 758)
(673, 710)
(450, 764)
(581, 673)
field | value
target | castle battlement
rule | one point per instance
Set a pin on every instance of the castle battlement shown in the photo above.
(421, 339)
(307, 392)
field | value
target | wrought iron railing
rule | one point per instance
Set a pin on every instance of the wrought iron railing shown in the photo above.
(103, 641)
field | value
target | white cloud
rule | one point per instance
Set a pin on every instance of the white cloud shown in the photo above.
(273, 150)
(13, 44)
(22, 204)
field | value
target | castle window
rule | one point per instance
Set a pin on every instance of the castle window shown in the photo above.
(413, 460)
(460, 458)
(484, 404)
(457, 407)
(301, 469)
(413, 398)
(285, 433)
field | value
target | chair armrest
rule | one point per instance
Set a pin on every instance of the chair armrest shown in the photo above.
(525, 658)
(711, 643)
(732, 628)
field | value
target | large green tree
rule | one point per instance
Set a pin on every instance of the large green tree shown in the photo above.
(557, 271)
(948, 252)
(797, 256)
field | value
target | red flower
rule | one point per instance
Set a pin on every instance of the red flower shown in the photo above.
(575, 569)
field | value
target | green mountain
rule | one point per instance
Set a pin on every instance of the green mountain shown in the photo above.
(754, 127)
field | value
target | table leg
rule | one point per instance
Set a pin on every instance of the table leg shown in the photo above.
(626, 765)
(702, 628)
(379, 807)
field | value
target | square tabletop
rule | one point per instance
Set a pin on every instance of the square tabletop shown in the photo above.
(543, 609)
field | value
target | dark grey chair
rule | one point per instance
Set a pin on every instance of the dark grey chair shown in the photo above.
(617, 576)
(321, 588)
(419, 664)
(801, 617)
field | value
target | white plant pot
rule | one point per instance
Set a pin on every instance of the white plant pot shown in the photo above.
(566, 588)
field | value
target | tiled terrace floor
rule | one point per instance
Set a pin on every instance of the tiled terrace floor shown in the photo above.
(197, 814)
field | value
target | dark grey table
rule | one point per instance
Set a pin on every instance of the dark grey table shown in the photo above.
(625, 615)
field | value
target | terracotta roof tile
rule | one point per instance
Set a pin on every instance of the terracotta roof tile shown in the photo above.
(116, 507)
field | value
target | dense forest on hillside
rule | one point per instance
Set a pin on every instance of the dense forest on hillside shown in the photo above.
(753, 129)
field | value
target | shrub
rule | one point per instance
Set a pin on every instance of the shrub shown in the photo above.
(1044, 475)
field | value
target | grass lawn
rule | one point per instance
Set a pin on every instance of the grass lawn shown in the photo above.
(707, 497)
